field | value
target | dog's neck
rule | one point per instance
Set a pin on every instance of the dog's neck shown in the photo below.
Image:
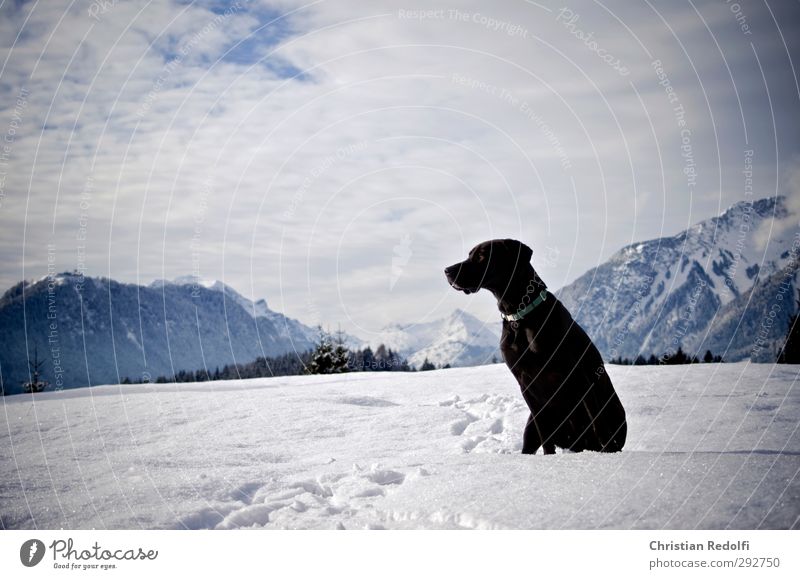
(523, 287)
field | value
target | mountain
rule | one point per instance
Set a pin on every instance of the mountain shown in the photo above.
(98, 331)
(287, 329)
(716, 285)
(459, 340)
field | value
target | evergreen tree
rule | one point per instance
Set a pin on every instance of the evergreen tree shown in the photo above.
(329, 357)
(790, 353)
(35, 385)
(679, 357)
(427, 365)
(381, 359)
(367, 359)
(341, 355)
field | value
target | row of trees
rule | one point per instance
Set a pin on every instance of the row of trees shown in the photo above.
(331, 356)
(667, 359)
(284, 365)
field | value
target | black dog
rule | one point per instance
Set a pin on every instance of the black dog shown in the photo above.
(572, 401)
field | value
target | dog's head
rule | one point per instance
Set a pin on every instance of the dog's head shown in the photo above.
(491, 265)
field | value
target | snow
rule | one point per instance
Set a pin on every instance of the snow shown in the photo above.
(459, 339)
(716, 271)
(709, 446)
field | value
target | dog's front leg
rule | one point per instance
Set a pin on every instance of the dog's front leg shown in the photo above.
(532, 438)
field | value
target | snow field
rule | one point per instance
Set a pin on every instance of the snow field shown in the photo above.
(709, 446)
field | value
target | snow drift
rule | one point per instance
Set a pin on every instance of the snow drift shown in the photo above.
(709, 446)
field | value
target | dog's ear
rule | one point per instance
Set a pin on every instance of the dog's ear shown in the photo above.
(519, 250)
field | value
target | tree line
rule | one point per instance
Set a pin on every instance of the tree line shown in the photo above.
(330, 356)
(667, 359)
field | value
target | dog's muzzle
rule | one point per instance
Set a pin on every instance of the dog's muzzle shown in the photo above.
(452, 274)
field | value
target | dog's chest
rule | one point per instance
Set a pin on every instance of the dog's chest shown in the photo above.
(519, 343)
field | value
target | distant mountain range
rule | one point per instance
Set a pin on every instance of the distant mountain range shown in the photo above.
(713, 286)
(99, 331)
(722, 285)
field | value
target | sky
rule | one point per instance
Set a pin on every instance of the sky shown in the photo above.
(334, 156)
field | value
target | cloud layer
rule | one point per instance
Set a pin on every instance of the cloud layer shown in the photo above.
(334, 156)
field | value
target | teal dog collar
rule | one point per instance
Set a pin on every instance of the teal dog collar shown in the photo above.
(528, 309)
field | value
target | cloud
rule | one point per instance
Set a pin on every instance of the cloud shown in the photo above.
(289, 148)
(780, 228)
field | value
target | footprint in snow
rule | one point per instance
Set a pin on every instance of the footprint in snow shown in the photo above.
(483, 422)
(302, 503)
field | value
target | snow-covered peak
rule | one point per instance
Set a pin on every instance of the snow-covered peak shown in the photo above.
(256, 308)
(459, 339)
(287, 328)
(260, 308)
(668, 291)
